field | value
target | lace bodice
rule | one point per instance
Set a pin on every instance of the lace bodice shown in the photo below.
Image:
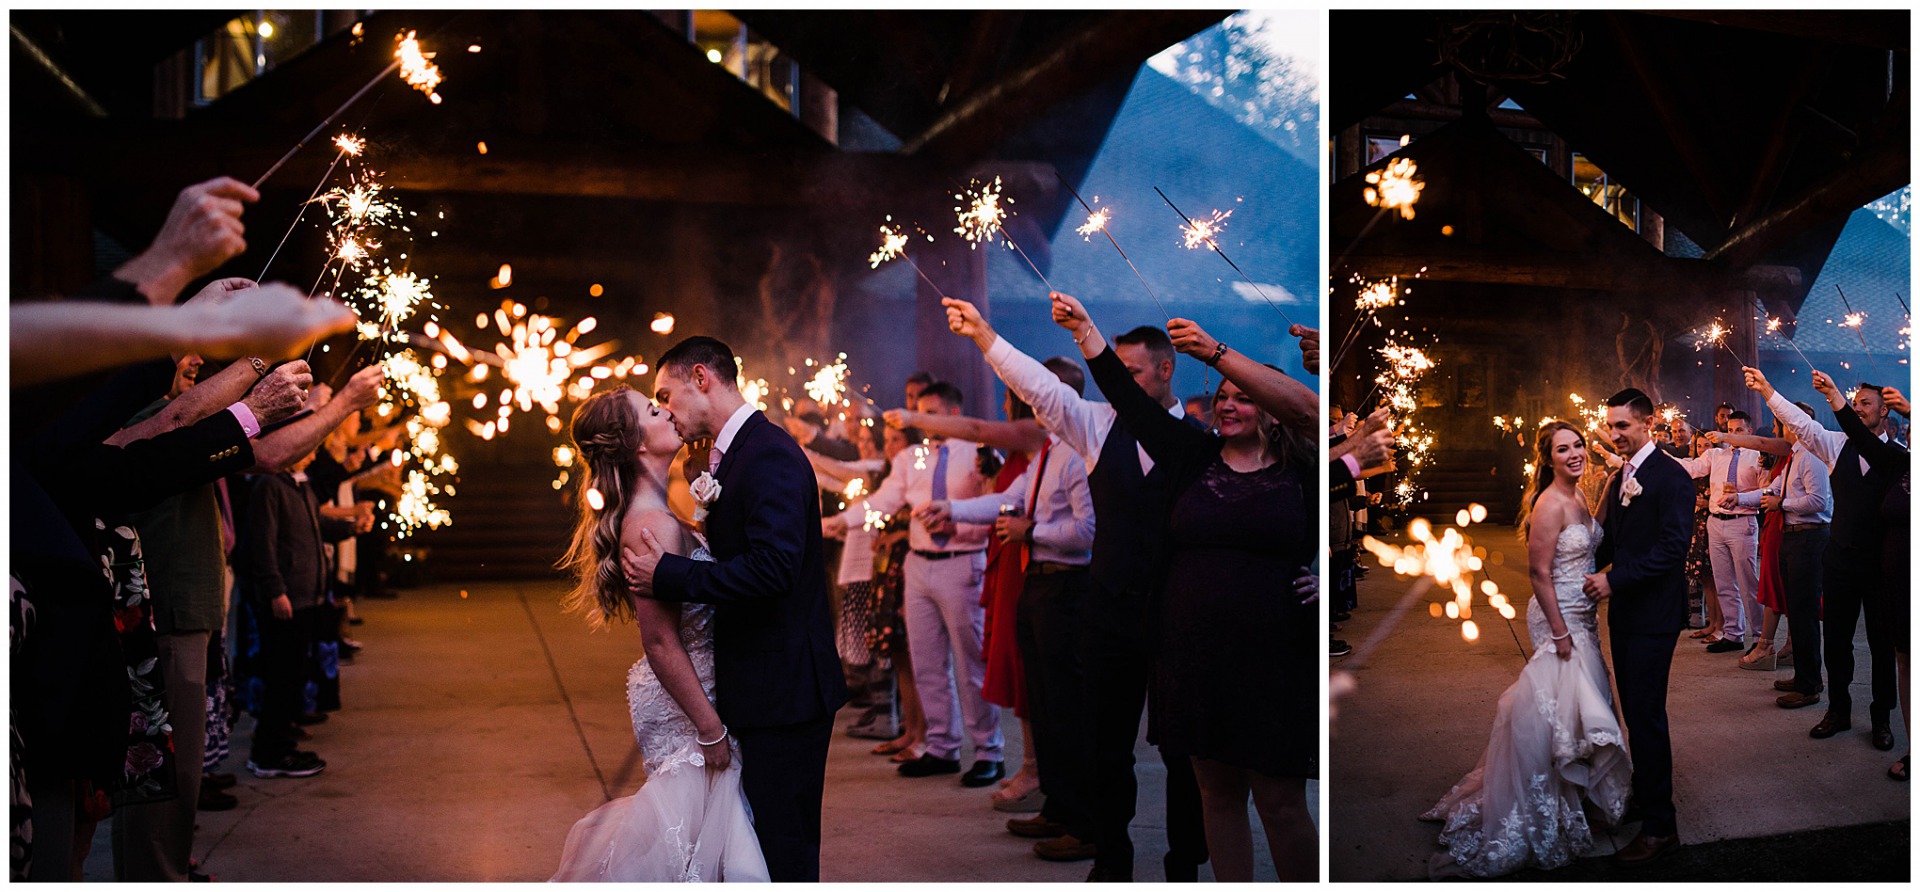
(1573, 552)
(662, 729)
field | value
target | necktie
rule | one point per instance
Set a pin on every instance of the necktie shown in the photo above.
(940, 491)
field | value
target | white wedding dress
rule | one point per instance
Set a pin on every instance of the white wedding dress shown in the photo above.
(1555, 742)
(685, 824)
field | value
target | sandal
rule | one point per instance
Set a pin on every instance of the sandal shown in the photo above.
(888, 748)
(910, 753)
(1698, 633)
(1898, 771)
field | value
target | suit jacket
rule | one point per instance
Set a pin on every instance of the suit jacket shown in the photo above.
(1646, 543)
(774, 660)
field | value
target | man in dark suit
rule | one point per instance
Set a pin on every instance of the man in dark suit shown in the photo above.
(1648, 520)
(777, 678)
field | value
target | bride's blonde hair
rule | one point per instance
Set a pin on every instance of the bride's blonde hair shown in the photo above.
(1542, 469)
(605, 434)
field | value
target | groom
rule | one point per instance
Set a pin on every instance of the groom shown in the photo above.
(777, 678)
(1648, 518)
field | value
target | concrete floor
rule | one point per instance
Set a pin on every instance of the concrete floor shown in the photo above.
(1425, 700)
(480, 723)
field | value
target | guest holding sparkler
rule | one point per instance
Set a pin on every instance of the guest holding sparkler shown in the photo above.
(1236, 680)
(1852, 562)
(1130, 495)
(1802, 498)
(1733, 534)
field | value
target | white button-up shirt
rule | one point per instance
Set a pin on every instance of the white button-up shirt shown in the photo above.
(1823, 444)
(1806, 495)
(1062, 515)
(910, 485)
(1714, 466)
(1079, 422)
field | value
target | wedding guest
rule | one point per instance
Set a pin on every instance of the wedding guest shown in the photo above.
(1047, 518)
(1721, 414)
(285, 576)
(917, 383)
(1851, 565)
(1733, 535)
(1239, 526)
(1130, 499)
(945, 621)
(869, 680)
(1803, 497)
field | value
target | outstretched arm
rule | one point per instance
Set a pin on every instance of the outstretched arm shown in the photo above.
(1165, 437)
(1075, 420)
(1755, 442)
(1293, 403)
(1024, 435)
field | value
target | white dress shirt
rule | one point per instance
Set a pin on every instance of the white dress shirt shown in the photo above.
(1824, 444)
(723, 441)
(1081, 423)
(1806, 495)
(1714, 465)
(1062, 515)
(910, 485)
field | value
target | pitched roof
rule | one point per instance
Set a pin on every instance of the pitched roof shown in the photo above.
(1871, 264)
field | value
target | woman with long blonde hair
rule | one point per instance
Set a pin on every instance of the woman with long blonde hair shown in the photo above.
(690, 820)
(1555, 743)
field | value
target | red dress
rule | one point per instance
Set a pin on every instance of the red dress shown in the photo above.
(1006, 682)
(1773, 531)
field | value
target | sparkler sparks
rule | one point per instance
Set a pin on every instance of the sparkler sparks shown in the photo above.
(350, 144)
(1449, 561)
(983, 215)
(1204, 232)
(1096, 222)
(416, 67)
(892, 243)
(1716, 334)
(1853, 320)
(1378, 295)
(1395, 188)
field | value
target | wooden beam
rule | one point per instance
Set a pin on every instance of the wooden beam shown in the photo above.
(1773, 162)
(985, 47)
(1088, 56)
(1679, 131)
(1659, 275)
(1875, 173)
(1884, 29)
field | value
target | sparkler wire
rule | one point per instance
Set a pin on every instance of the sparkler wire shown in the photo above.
(1116, 246)
(1215, 245)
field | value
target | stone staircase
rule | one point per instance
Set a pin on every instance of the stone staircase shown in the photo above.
(1456, 479)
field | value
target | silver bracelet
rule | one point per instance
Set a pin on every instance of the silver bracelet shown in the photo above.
(723, 736)
(1563, 637)
(1084, 335)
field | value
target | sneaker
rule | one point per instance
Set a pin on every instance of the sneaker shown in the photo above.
(289, 765)
(1338, 648)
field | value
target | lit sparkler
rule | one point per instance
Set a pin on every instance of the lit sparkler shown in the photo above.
(1716, 334)
(893, 244)
(1097, 222)
(1396, 187)
(417, 68)
(983, 214)
(1206, 233)
(421, 72)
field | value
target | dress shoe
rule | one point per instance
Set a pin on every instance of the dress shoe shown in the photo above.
(928, 766)
(1064, 848)
(1110, 874)
(1882, 735)
(983, 772)
(1832, 724)
(1724, 646)
(1786, 685)
(1796, 700)
(1035, 827)
(310, 718)
(220, 781)
(1645, 848)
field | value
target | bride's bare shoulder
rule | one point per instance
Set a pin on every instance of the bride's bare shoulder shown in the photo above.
(664, 526)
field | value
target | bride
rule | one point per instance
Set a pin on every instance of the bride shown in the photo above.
(1555, 739)
(689, 821)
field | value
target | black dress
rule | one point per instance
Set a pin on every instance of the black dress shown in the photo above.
(1236, 676)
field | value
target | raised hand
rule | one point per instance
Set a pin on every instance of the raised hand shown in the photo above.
(363, 389)
(1068, 312)
(1896, 401)
(1189, 338)
(202, 231)
(899, 418)
(964, 319)
(1309, 345)
(273, 321)
(281, 393)
(1757, 382)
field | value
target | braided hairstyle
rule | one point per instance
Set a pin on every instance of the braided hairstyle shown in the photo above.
(605, 433)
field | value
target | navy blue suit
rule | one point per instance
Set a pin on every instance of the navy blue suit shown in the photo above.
(1646, 543)
(777, 678)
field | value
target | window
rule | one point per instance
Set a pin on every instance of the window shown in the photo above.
(729, 43)
(1610, 196)
(254, 43)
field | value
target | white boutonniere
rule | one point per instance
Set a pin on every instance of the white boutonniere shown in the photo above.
(706, 491)
(1628, 490)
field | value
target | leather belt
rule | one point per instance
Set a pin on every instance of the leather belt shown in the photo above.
(943, 555)
(1803, 527)
(1732, 516)
(1048, 568)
